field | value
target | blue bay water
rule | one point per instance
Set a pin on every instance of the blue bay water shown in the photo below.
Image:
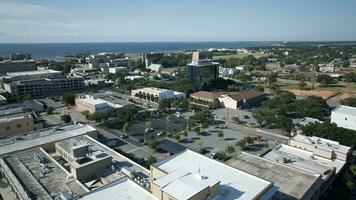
(57, 50)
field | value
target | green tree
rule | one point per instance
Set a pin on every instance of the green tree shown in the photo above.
(242, 144)
(66, 118)
(49, 110)
(148, 124)
(200, 144)
(350, 101)
(152, 143)
(151, 159)
(68, 99)
(27, 97)
(220, 134)
(230, 149)
(168, 120)
(325, 80)
(126, 128)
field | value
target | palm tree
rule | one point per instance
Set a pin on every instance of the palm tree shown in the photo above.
(168, 119)
(126, 128)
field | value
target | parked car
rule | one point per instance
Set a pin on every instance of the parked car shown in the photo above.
(161, 133)
(149, 130)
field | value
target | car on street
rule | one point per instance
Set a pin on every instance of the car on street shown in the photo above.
(149, 130)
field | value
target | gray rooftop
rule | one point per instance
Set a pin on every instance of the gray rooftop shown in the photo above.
(44, 136)
(321, 143)
(303, 160)
(118, 160)
(291, 183)
(41, 176)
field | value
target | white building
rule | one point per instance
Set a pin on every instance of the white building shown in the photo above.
(155, 67)
(100, 102)
(114, 70)
(321, 147)
(190, 175)
(226, 72)
(157, 94)
(344, 116)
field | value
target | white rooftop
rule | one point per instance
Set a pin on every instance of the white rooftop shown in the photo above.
(234, 183)
(181, 180)
(347, 110)
(24, 73)
(124, 189)
(302, 160)
(153, 90)
(92, 101)
(321, 143)
(308, 120)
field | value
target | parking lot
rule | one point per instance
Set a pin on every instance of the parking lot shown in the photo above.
(212, 143)
(137, 128)
(226, 114)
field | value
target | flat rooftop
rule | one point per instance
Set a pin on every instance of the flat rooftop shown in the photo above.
(303, 160)
(35, 72)
(118, 160)
(11, 111)
(291, 182)
(321, 143)
(308, 120)
(41, 137)
(41, 176)
(154, 89)
(16, 117)
(234, 183)
(124, 189)
(347, 110)
(116, 101)
(91, 101)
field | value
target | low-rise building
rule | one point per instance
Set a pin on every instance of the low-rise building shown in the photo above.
(114, 70)
(344, 116)
(205, 96)
(45, 87)
(19, 123)
(155, 67)
(157, 94)
(101, 102)
(34, 174)
(226, 72)
(17, 66)
(190, 175)
(321, 147)
(123, 189)
(240, 100)
(307, 161)
(293, 184)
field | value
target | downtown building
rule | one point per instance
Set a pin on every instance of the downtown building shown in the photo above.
(45, 87)
(202, 71)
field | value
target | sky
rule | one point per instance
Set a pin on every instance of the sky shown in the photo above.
(33, 21)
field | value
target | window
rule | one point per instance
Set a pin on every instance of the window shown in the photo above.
(18, 126)
(345, 118)
(7, 128)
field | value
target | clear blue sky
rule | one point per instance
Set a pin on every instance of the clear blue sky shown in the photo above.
(176, 20)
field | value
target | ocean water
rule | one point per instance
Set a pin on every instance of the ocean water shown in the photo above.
(57, 50)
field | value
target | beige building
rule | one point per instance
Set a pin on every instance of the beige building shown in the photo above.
(190, 175)
(321, 147)
(19, 123)
(101, 102)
